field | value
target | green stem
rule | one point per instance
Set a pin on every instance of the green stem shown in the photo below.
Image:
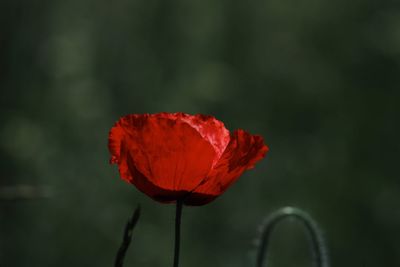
(178, 216)
(119, 260)
(317, 242)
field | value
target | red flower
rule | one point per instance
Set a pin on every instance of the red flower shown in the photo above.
(171, 156)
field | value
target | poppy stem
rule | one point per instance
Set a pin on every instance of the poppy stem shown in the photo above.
(178, 215)
(317, 242)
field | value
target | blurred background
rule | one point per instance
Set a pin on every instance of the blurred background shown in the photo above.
(318, 79)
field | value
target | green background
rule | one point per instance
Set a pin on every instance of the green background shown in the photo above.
(318, 79)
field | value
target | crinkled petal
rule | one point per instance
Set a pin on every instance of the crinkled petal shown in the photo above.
(242, 153)
(170, 153)
(115, 138)
(209, 127)
(212, 130)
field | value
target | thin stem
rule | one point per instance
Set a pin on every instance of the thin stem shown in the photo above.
(119, 260)
(178, 216)
(317, 242)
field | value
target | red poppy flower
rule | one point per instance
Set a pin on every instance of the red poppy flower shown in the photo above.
(177, 156)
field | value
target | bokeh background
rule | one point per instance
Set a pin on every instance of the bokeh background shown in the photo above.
(318, 79)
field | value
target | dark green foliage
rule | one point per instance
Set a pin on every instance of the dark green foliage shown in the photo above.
(318, 79)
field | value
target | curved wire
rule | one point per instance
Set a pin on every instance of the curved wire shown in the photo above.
(317, 242)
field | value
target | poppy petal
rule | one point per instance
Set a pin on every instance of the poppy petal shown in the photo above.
(167, 151)
(209, 128)
(212, 130)
(146, 186)
(242, 153)
(115, 138)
